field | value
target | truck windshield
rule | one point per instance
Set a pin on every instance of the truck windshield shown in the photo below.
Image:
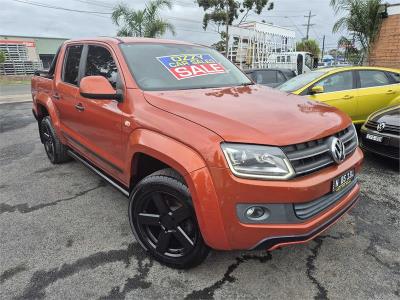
(299, 81)
(158, 67)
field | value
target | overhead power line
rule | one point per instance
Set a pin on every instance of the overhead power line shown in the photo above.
(95, 3)
(62, 8)
(297, 27)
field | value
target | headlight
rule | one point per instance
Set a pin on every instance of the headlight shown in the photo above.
(254, 161)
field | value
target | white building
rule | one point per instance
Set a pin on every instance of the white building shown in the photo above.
(252, 43)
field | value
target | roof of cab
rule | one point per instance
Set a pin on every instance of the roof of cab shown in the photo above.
(129, 40)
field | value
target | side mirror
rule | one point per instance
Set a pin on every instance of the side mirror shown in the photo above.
(318, 89)
(98, 87)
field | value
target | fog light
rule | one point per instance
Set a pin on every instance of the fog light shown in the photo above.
(255, 213)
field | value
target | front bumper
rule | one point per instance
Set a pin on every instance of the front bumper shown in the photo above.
(272, 243)
(389, 147)
(216, 206)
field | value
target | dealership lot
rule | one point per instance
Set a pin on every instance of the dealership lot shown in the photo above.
(64, 233)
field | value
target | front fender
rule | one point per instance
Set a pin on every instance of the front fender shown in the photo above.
(173, 153)
(193, 168)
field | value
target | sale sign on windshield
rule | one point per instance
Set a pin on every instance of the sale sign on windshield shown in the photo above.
(184, 66)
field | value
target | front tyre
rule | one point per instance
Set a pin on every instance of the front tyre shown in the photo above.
(162, 218)
(55, 150)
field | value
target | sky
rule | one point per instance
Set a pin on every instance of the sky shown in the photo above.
(18, 17)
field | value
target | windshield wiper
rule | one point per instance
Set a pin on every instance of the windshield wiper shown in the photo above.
(247, 83)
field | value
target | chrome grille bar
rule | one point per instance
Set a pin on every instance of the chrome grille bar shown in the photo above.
(314, 155)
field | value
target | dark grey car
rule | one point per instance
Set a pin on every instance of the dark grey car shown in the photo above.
(381, 133)
(270, 77)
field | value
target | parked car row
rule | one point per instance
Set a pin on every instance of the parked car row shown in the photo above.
(358, 91)
(370, 96)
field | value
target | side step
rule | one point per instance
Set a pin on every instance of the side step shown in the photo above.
(98, 172)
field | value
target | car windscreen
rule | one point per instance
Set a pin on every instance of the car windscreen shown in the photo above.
(161, 67)
(299, 81)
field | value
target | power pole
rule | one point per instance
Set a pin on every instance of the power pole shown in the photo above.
(323, 48)
(308, 25)
(227, 28)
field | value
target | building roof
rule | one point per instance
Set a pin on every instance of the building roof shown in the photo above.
(32, 37)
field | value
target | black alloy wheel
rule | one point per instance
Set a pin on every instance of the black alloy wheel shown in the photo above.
(48, 142)
(163, 220)
(55, 150)
(167, 224)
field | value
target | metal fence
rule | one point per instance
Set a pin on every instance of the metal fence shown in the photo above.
(17, 60)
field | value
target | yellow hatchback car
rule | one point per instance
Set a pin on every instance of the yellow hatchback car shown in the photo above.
(358, 91)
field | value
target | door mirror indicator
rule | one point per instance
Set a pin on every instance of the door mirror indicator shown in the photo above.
(98, 87)
(318, 89)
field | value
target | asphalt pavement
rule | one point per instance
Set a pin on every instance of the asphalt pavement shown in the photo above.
(17, 92)
(64, 234)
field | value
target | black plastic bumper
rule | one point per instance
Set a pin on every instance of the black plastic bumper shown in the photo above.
(389, 147)
(273, 241)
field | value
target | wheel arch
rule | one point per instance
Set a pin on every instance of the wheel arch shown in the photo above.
(165, 151)
(160, 151)
(44, 106)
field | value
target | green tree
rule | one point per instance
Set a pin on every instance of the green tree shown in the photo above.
(351, 53)
(362, 18)
(309, 46)
(142, 22)
(225, 12)
(2, 57)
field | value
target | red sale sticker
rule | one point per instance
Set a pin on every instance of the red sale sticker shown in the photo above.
(184, 66)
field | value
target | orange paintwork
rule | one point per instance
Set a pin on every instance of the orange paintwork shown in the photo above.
(96, 85)
(184, 129)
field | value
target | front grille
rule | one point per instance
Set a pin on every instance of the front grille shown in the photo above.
(386, 150)
(392, 129)
(314, 155)
(307, 210)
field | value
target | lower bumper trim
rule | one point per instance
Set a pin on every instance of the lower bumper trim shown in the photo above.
(271, 242)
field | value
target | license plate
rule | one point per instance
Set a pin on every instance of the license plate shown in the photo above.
(342, 181)
(375, 138)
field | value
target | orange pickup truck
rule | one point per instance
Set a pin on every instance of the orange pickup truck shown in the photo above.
(207, 158)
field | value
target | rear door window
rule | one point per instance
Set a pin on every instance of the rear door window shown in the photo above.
(371, 78)
(101, 63)
(71, 65)
(395, 77)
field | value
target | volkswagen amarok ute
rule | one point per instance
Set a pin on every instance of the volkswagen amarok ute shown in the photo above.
(207, 158)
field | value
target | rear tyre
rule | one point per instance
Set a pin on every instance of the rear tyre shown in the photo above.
(163, 220)
(55, 150)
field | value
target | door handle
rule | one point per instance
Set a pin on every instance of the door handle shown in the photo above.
(79, 107)
(390, 92)
(348, 97)
(57, 96)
